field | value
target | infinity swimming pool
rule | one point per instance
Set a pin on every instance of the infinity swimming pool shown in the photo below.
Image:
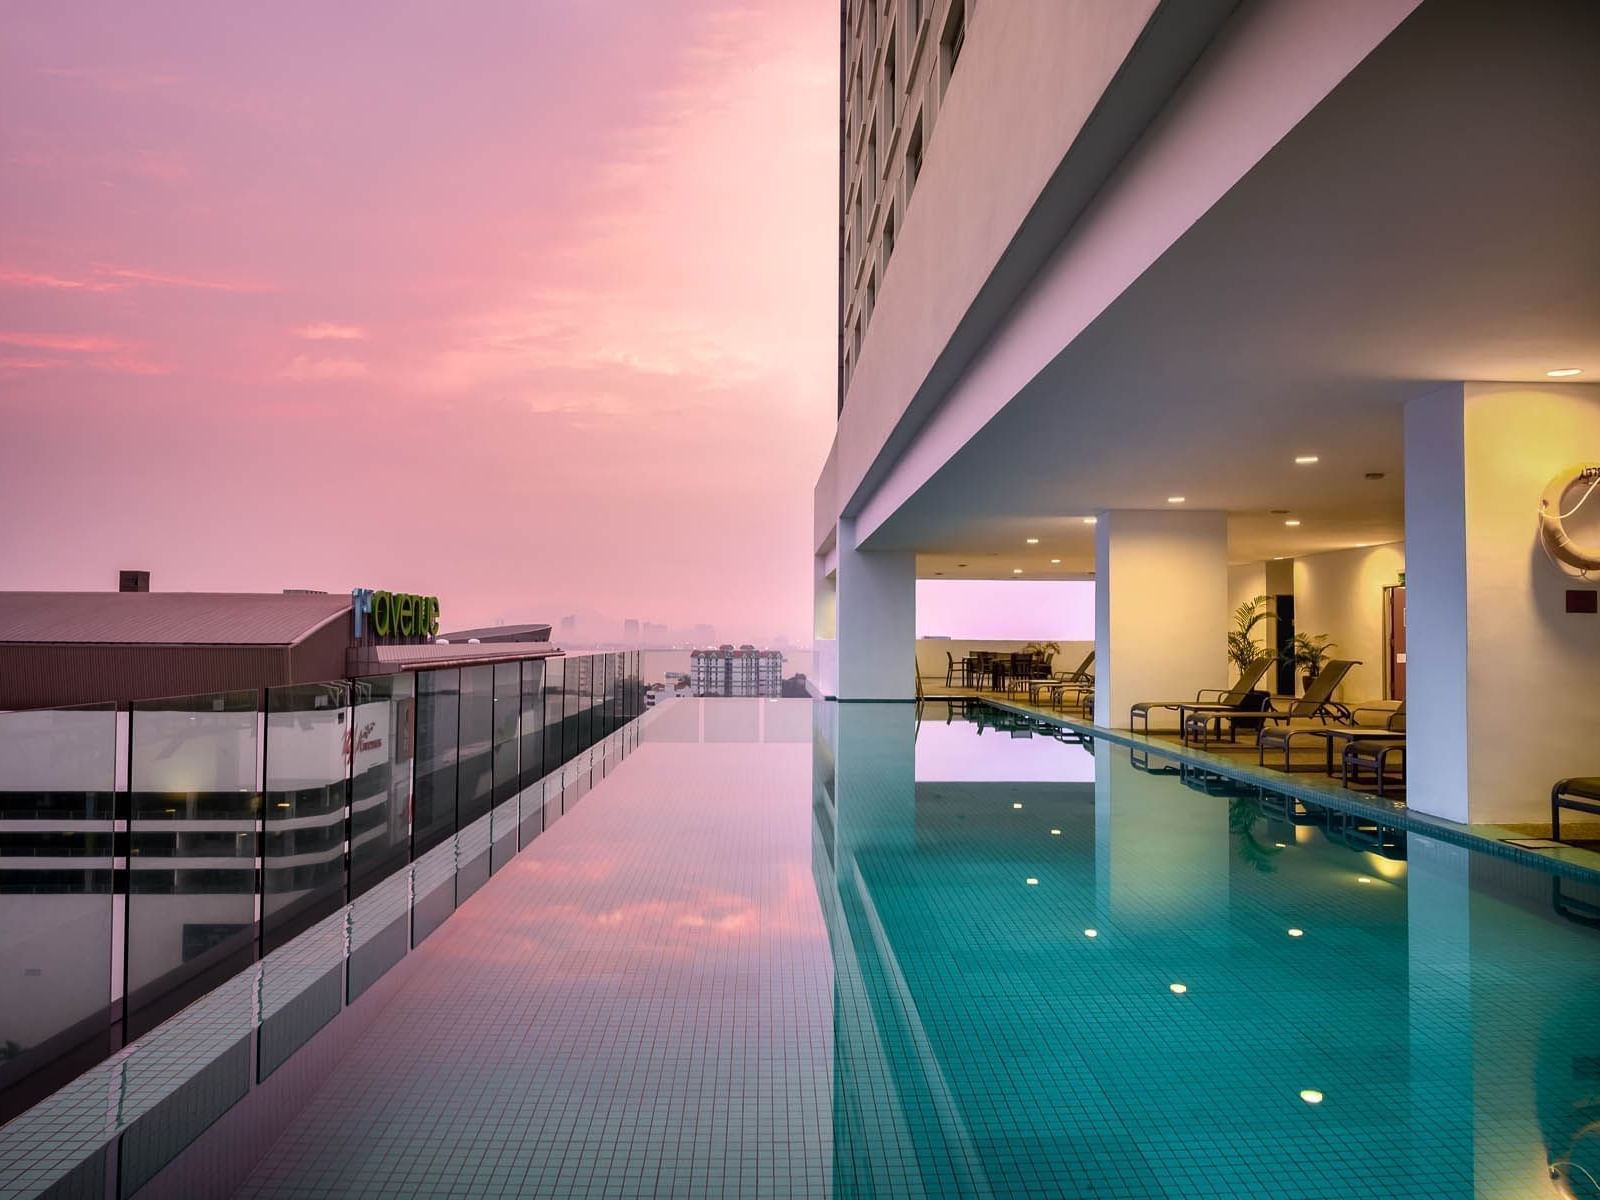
(797, 950)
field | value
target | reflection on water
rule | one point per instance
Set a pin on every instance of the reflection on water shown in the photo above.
(1123, 983)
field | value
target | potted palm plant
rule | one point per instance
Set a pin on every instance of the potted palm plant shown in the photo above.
(1243, 648)
(1308, 652)
(1044, 654)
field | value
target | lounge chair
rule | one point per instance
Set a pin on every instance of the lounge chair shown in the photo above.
(1317, 704)
(1076, 679)
(1581, 793)
(1372, 756)
(1282, 736)
(1221, 700)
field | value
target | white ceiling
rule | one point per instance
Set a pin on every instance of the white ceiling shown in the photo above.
(1437, 218)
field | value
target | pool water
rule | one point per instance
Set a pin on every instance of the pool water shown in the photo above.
(828, 950)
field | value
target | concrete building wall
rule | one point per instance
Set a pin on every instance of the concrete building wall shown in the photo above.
(1258, 77)
(1341, 594)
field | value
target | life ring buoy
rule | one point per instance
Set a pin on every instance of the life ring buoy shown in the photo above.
(1552, 532)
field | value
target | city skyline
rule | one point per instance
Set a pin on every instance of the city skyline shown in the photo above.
(273, 316)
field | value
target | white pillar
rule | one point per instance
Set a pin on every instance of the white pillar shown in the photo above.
(876, 620)
(1501, 700)
(1160, 608)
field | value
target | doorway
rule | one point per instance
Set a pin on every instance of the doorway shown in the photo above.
(1394, 620)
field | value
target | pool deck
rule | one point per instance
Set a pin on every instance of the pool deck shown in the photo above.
(1305, 781)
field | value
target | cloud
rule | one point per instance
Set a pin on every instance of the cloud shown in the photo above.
(303, 368)
(135, 275)
(72, 342)
(12, 277)
(93, 353)
(30, 364)
(330, 331)
(106, 277)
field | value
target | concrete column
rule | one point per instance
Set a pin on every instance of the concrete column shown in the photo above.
(876, 620)
(1501, 699)
(1160, 608)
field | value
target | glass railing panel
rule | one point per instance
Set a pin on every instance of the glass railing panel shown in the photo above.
(194, 814)
(381, 754)
(555, 690)
(438, 730)
(308, 745)
(58, 775)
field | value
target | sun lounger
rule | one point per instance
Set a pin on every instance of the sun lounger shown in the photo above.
(1374, 756)
(1076, 680)
(1282, 736)
(1580, 793)
(1220, 700)
(1204, 725)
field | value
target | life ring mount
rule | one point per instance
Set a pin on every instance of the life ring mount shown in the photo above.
(1558, 543)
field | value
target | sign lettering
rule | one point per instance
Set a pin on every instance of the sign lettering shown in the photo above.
(393, 614)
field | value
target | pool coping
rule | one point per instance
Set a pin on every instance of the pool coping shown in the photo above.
(1330, 795)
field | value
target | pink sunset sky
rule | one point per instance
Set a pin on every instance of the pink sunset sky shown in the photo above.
(527, 305)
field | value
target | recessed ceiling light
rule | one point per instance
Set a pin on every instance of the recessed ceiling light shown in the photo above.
(1305, 459)
(1090, 520)
(1176, 499)
(1279, 557)
(1363, 879)
(1177, 989)
(1055, 833)
(1311, 1096)
(1016, 570)
(1033, 541)
(1016, 804)
(1056, 561)
(1091, 933)
(1291, 523)
(1032, 882)
(1564, 372)
(1297, 933)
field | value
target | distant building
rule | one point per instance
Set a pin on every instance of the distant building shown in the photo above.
(630, 630)
(568, 624)
(705, 635)
(794, 688)
(745, 671)
(654, 631)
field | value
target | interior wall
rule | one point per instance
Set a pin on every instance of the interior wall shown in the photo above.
(1245, 582)
(931, 662)
(1340, 593)
(1532, 703)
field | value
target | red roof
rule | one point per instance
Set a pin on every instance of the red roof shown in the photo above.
(167, 618)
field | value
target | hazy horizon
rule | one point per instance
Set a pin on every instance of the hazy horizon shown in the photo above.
(527, 306)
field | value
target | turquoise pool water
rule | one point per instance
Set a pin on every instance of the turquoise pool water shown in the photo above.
(796, 950)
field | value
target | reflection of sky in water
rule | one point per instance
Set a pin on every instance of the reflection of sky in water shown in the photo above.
(1023, 971)
(955, 752)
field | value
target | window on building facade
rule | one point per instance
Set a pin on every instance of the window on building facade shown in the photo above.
(913, 156)
(953, 38)
(891, 94)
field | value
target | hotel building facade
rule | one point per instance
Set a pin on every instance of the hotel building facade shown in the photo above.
(1208, 300)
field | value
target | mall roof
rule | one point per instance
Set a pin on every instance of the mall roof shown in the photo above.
(166, 618)
(384, 660)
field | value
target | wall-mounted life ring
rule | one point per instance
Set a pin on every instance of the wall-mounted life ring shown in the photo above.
(1552, 533)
